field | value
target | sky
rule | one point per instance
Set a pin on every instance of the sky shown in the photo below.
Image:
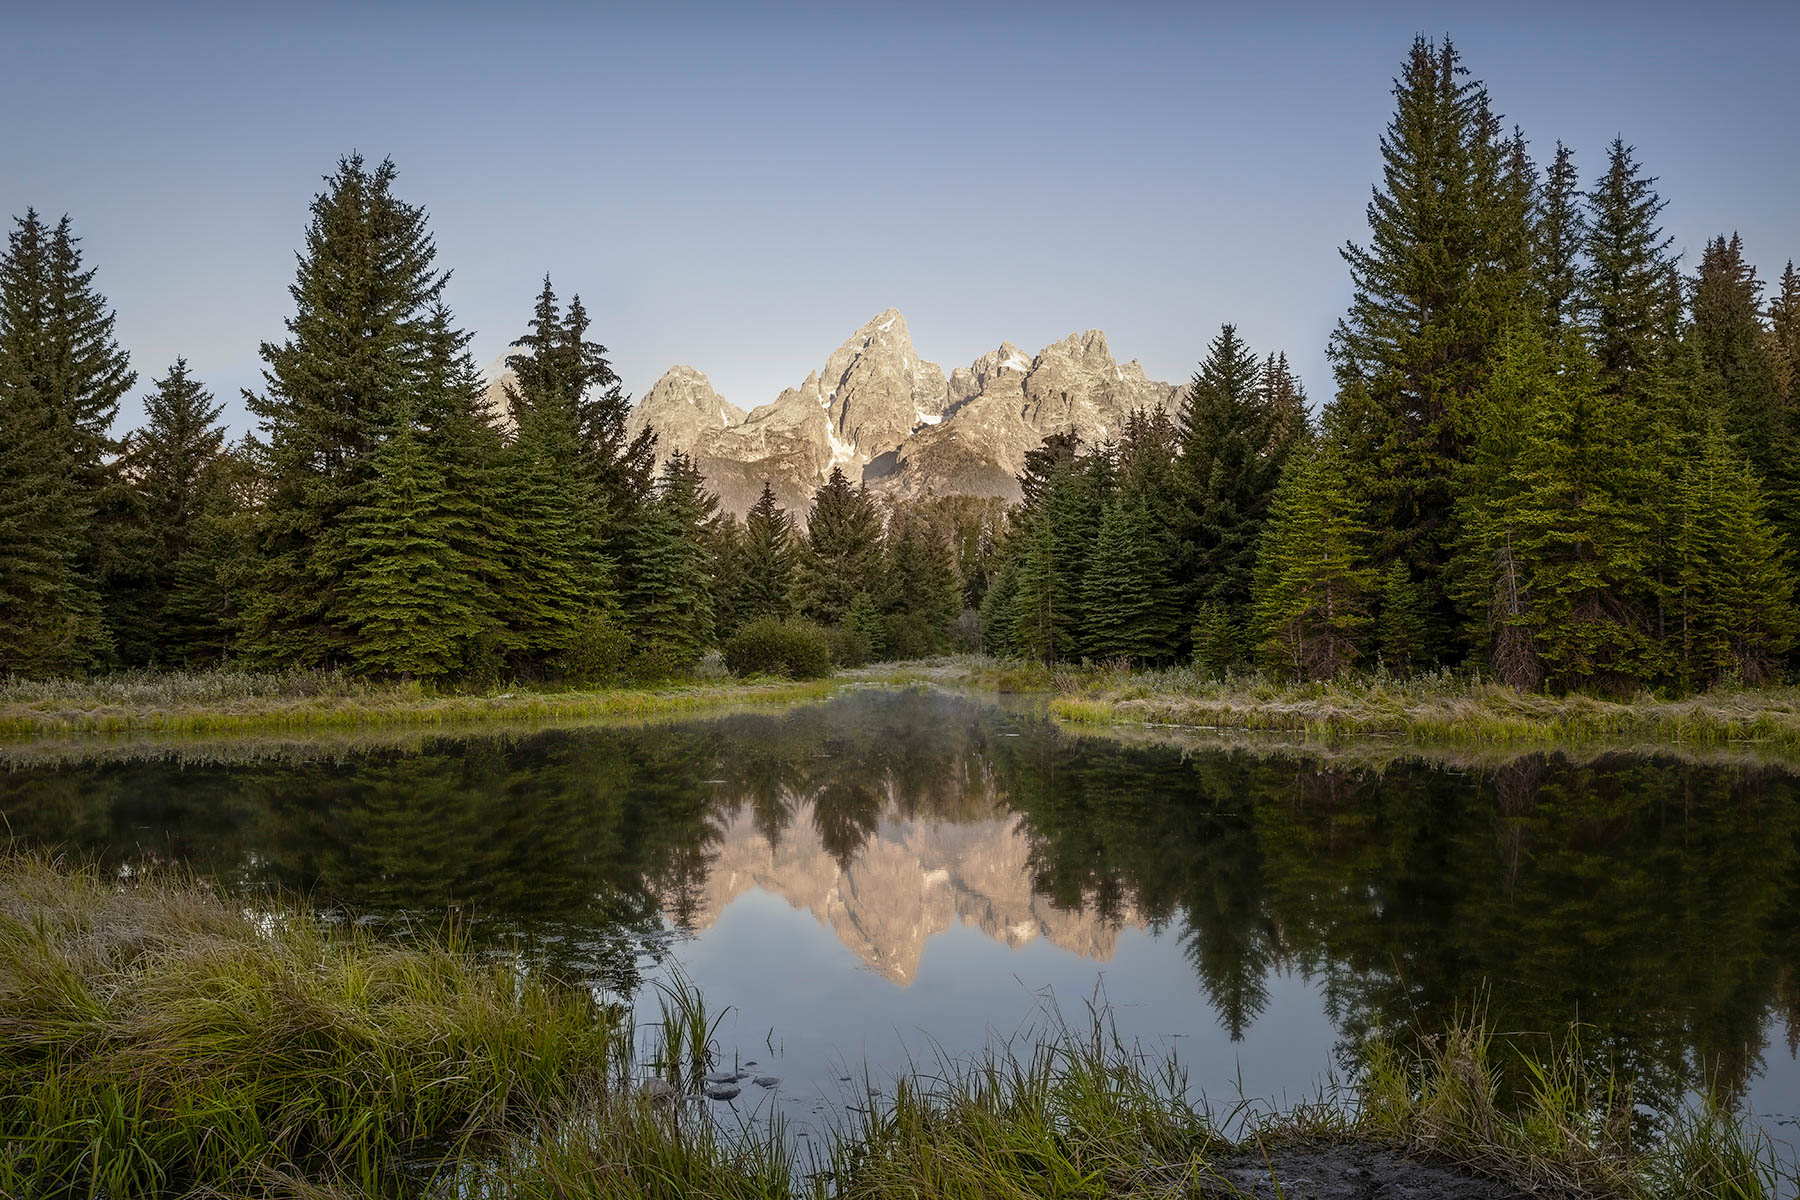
(737, 187)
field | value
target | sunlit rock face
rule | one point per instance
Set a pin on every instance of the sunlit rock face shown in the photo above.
(911, 879)
(886, 417)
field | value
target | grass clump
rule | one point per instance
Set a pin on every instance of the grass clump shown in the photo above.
(1069, 1114)
(1540, 1120)
(159, 1040)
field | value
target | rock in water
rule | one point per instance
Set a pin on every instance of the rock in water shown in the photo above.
(766, 1081)
(659, 1090)
(723, 1091)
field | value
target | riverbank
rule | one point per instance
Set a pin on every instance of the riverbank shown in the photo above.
(159, 1039)
(1443, 710)
(233, 702)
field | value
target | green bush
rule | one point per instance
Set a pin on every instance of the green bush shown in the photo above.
(796, 649)
(597, 652)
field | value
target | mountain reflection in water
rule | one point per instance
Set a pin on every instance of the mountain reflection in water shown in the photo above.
(1653, 900)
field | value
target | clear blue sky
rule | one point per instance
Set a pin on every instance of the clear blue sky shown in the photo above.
(738, 188)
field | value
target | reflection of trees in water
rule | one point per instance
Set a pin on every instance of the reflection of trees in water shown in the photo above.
(1654, 901)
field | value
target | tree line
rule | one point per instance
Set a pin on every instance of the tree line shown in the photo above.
(1551, 456)
(381, 519)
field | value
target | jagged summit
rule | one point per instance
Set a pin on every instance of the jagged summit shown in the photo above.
(885, 416)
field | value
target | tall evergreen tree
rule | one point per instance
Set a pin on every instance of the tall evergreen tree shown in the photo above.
(1732, 613)
(920, 594)
(1238, 426)
(64, 374)
(350, 370)
(669, 597)
(765, 575)
(1315, 590)
(1630, 298)
(1584, 534)
(171, 469)
(1784, 331)
(1056, 541)
(405, 593)
(1433, 290)
(49, 613)
(1132, 609)
(1559, 232)
(204, 609)
(1738, 357)
(842, 553)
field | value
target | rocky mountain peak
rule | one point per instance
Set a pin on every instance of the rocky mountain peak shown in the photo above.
(682, 407)
(885, 416)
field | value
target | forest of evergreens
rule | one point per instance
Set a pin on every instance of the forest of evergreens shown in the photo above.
(1554, 454)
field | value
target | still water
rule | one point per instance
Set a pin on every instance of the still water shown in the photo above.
(892, 875)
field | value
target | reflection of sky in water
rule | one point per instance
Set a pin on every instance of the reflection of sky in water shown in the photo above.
(827, 1013)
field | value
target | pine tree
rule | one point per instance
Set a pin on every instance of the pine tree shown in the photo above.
(559, 577)
(1401, 627)
(476, 517)
(1558, 234)
(63, 373)
(765, 575)
(1731, 607)
(1441, 277)
(1314, 588)
(668, 599)
(1738, 356)
(1132, 608)
(1218, 640)
(49, 614)
(1630, 300)
(920, 597)
(405, 594)
(170, 468)
(87, 371)
(842, 552)
(1784, 331)
(364, 293)
(865, 630)
(1488, 573)
(1050, 614)
(1584, 534)
(1238, 426)
(204, 609)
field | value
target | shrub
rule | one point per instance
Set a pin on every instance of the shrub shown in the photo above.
(794, 648)
(850, 646)
(598, 651)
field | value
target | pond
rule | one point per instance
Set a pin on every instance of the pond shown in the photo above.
(866, 883)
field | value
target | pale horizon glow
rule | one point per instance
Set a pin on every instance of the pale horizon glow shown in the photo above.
(739, 190)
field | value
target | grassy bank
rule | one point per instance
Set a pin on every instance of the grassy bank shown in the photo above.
(159, 1040)
(1442, 710)
(231, 702)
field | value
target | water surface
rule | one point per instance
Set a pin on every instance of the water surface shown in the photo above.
(891, 875)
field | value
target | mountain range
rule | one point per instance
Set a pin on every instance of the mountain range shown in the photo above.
(895, 421)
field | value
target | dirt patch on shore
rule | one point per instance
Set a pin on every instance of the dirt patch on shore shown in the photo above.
(1354, 1173)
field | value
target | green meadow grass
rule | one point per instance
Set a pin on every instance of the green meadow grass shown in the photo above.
(1443, 709)
(229, 702)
